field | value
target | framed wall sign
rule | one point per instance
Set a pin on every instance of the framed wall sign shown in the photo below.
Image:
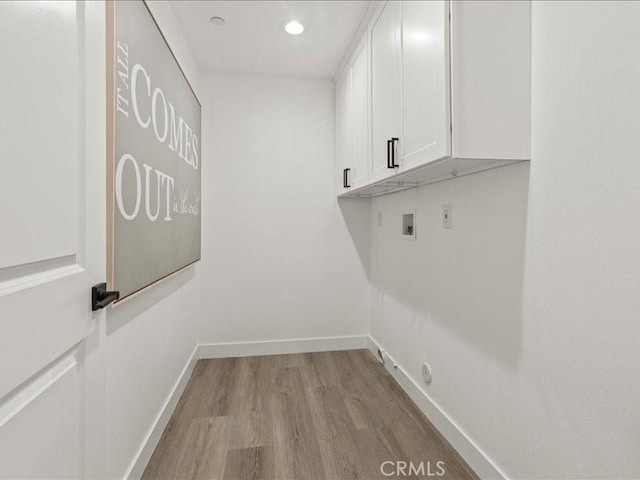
(153, 154)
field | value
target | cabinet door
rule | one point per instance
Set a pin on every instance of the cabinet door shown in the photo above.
(385, 86)
(491, 79)
(360, 116)
(425, 82)
(343, 133)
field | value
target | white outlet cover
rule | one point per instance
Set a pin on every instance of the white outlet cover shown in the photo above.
(426, 373)
(446, 216)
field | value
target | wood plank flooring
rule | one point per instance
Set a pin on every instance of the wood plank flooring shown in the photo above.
(313, 416)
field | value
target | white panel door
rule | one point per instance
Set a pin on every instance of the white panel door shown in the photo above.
(386, 99)
(52, 192)
(343, 130)
(360, 115)
(425, 82)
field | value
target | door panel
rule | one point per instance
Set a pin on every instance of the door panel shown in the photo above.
(343, 128)
(425, 82)
(39, 124)
(360, 116)
(385, 85)
(40, 429)
(52, 180)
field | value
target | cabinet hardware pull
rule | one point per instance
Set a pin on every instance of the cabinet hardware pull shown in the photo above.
(393, 152)
(345, 178)
(389, 163)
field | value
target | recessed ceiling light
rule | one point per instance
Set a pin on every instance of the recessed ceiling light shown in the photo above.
(217, 21)
(293, 27)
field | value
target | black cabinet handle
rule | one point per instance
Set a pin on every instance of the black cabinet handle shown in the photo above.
(100, 297)
(345, 178)
(393, 152)
(389, 146)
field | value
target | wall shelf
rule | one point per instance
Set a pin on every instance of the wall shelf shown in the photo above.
(436, 171)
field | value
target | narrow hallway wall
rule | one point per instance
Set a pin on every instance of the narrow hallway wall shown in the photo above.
(548, 390)
(150, 338)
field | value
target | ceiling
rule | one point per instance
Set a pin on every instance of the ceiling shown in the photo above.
(253, 41)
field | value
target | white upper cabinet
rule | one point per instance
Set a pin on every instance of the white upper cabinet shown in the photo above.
(359, 70)
(386, 98)
(448, 90)
(343, 131)
(425, 83)
(491, 79)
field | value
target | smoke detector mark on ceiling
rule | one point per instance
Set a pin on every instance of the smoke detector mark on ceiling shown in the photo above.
(293, 27)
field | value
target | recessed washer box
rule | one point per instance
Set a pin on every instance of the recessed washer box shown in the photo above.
(409, 225)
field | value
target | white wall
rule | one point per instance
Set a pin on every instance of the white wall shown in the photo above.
(583, 264)
(149, 342)
(532, 329)
(149, 338)
(453, 297)
(278, 260)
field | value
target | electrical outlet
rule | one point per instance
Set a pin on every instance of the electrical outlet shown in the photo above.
(446, 216)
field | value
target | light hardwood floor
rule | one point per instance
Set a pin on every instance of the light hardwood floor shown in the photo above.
(313, 416)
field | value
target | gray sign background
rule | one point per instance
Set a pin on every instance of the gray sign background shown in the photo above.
(145, 250)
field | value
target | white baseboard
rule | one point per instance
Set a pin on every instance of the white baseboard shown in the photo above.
(143, 455)
(466, 447)
(302, 345)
